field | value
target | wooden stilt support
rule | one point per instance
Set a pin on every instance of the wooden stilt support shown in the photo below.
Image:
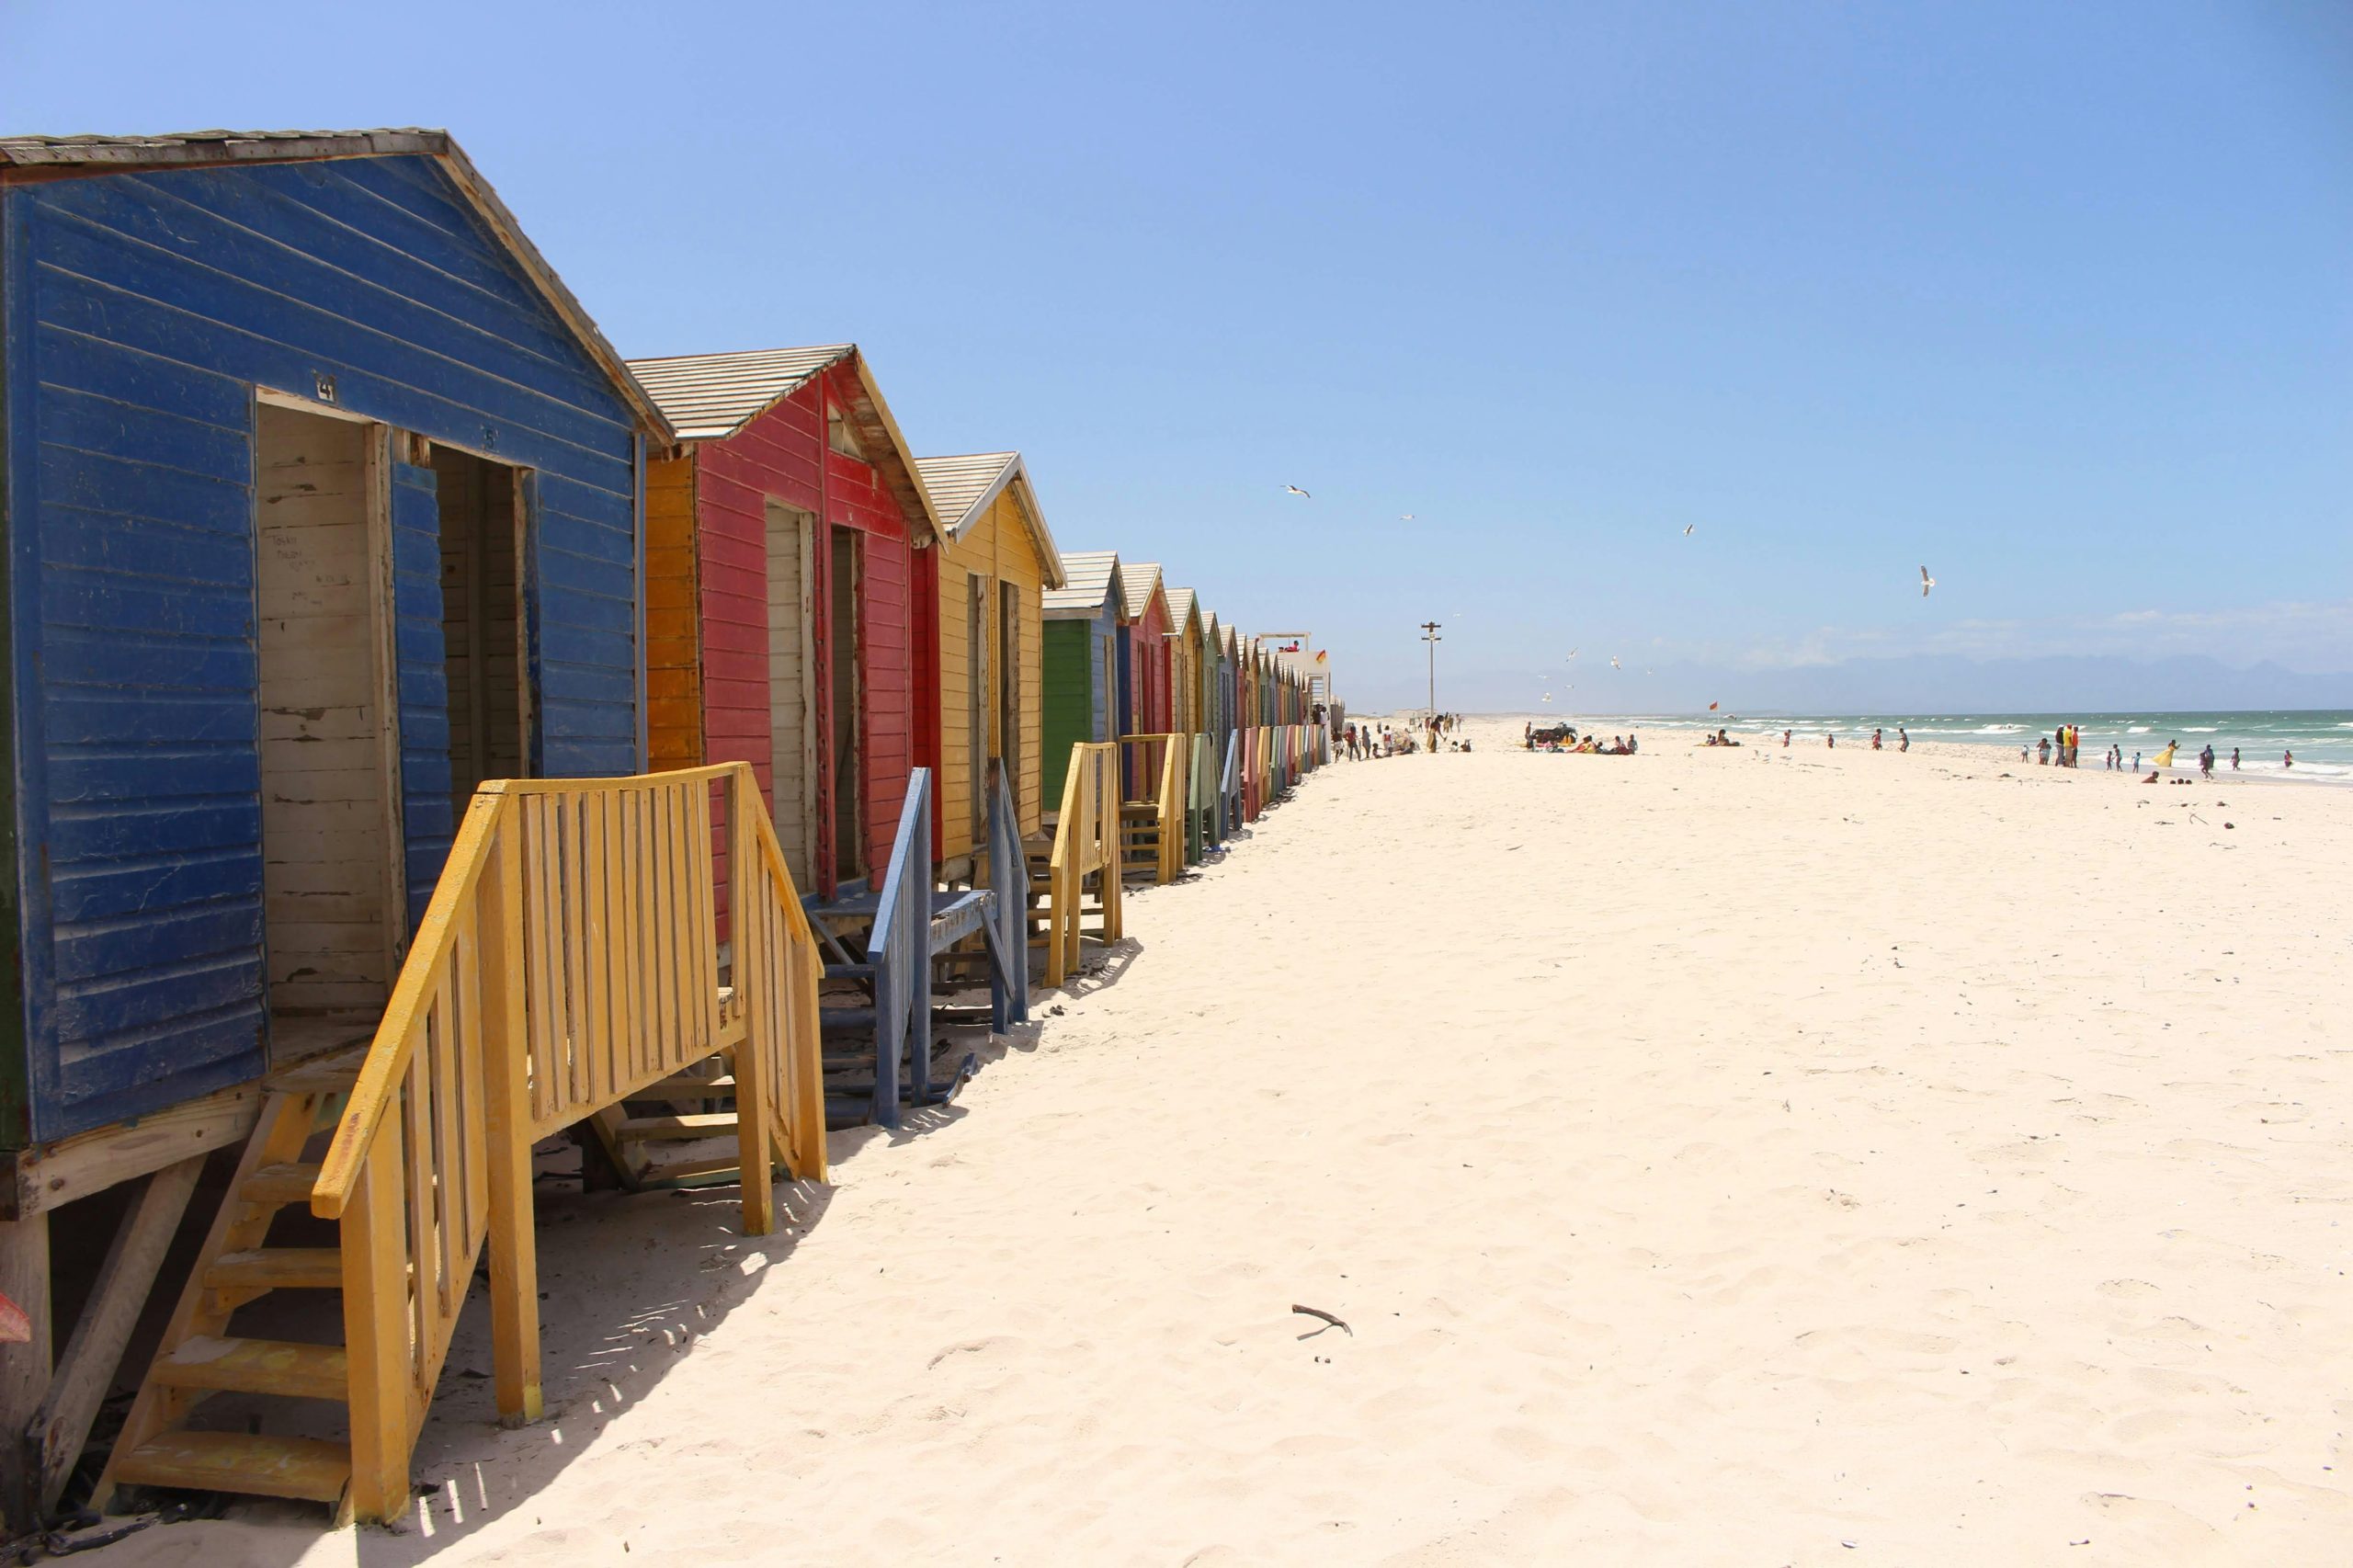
(94, 1352)
(25, 1369)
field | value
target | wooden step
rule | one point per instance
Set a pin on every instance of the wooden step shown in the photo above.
(699, 1124)
(235, 1462)
(689, 1088)
(331, 1075)
(280, 1183)
(684, 1162)
(277, 1268)
(256, 1366)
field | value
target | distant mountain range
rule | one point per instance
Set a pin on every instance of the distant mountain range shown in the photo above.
(1915, 684)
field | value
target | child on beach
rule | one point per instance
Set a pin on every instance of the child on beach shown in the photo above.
(1902, 739)
(2234, 759)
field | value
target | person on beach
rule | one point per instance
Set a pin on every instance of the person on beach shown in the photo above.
(1875, 735)
(2136, 762)
(1902, 739)
(2042, 751)
(2234, 759)
(2287, 759)
(2206, 762)
(1784, 740)
(2165, 758)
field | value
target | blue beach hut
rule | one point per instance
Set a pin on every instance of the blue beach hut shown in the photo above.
(323, 499)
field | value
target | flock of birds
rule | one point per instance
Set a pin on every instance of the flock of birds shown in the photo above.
(1926, 582)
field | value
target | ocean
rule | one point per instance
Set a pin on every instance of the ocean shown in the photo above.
(2321, 738)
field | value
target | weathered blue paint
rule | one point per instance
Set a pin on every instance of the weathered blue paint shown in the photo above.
(138, 310)
(428, 819)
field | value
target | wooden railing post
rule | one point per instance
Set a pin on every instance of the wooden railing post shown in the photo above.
(376, 1317)
(754, 951)
(507, 1117)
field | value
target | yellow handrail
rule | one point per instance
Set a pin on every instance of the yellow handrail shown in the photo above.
(1086, 842)
(568, 958)
(1172, 808)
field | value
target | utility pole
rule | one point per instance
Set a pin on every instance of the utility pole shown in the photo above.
(1430, 636)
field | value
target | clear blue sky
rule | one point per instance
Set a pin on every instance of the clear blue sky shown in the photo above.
(2053, 299)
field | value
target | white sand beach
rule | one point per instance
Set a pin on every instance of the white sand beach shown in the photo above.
(1718, 1157)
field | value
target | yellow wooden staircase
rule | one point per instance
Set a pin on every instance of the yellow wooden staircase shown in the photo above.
(1082, 861)
(568, 961)
(1152, 829)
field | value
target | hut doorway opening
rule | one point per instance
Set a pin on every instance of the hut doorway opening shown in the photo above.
(1009, 696)
(482, 621)
(329, 888)
(849, 762)
(792, 790)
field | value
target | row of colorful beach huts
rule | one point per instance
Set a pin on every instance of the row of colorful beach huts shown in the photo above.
(431, 735)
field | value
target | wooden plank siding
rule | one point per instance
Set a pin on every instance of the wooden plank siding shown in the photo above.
(1072, 686)
(998, 548)
(140, 311)
(673, 597)
(1148, 669)
(780, 456)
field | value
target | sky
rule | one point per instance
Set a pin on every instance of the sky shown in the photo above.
(2052, 300)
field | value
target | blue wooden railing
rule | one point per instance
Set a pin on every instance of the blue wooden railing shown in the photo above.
(1008, 927)
(899, 946)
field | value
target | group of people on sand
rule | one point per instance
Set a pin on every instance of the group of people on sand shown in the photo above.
(1830, 739)
(1562, 739)
(1368, 740)
(2062, 745)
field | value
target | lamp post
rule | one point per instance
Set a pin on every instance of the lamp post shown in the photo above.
(1430, 636)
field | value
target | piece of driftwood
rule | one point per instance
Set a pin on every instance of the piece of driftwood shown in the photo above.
(1340, 1324)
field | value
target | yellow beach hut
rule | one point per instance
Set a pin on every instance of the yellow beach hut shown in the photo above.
(1184, 662)
(997, 560)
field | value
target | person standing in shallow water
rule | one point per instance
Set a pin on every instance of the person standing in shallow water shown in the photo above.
(2234, 759)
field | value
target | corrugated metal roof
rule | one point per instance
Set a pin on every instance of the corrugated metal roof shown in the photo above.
(1180, 607)
(1136, 584)
(959, 484)
(194, 148)
(709, 396)
(1086, 584)
(963, 488)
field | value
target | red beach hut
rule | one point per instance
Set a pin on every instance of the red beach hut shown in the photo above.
(790, 621)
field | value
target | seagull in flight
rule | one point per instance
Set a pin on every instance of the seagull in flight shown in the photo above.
(1295, 490)
(1404, 517)
(1687, 528)
(1572, 653)
(1926, 582)
(1614, 663)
